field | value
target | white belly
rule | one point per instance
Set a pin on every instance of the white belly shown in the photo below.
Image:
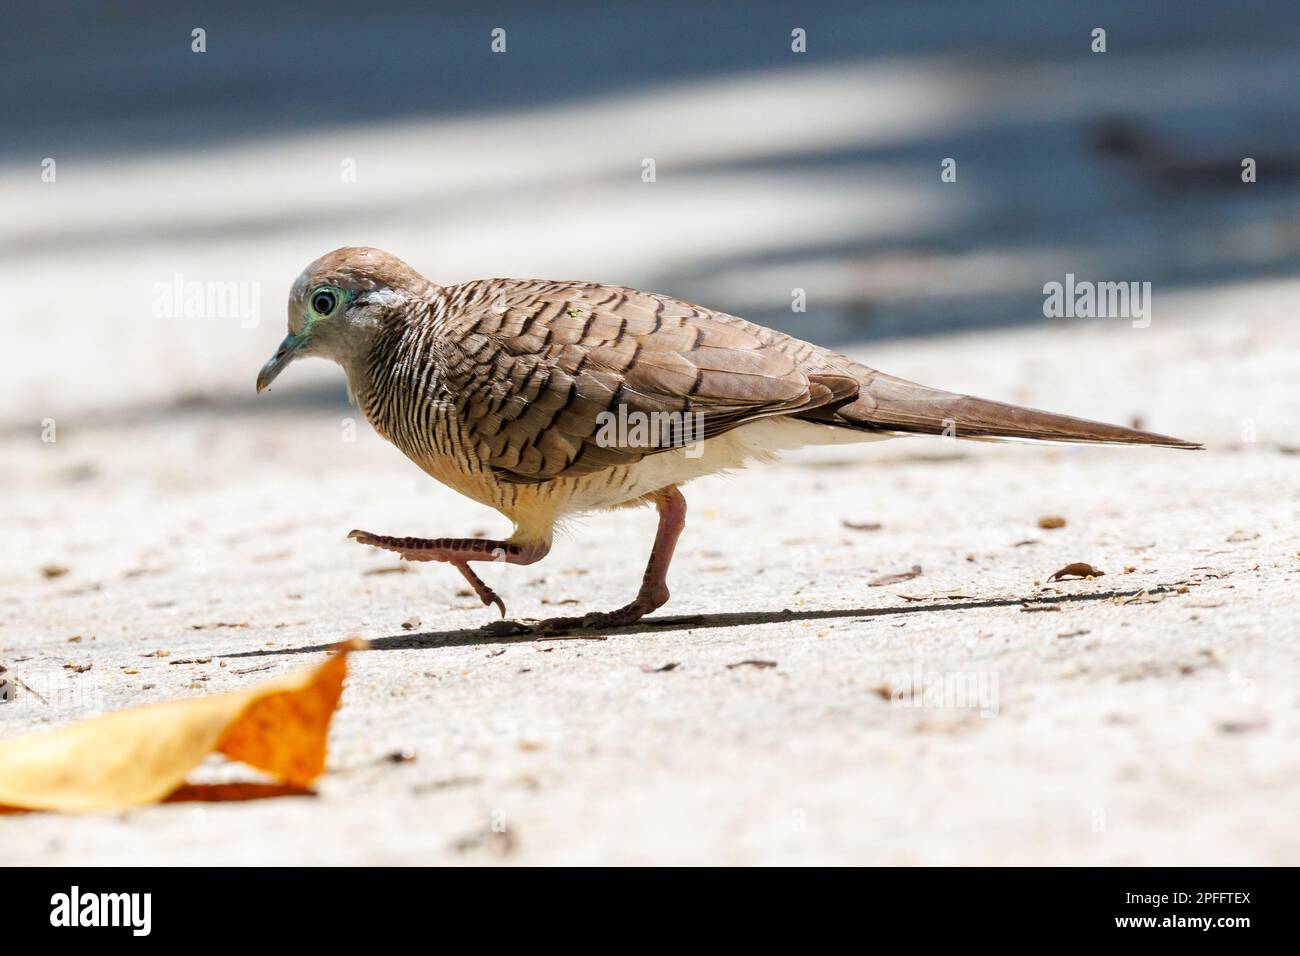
(760, 441)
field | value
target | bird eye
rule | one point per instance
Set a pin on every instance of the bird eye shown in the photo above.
(323, 302)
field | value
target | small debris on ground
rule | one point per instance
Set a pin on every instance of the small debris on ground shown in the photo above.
(497, 842)
(897, 578)
(1242, 726)
(861, 525)
(253, 670)
(10, 684)
(447, 783)
(1077, 569)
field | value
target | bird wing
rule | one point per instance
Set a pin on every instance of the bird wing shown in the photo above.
(542, 374)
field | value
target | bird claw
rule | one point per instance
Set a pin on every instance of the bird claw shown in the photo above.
(492, 598)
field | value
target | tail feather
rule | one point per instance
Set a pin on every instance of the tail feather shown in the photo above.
(886, 403)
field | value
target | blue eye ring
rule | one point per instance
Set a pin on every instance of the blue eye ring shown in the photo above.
(324, 301)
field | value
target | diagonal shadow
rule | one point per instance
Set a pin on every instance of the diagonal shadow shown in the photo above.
(510, 632)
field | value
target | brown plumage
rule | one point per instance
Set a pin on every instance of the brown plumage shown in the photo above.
(517, 393)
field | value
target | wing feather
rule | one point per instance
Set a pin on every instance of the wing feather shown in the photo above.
(538, 370)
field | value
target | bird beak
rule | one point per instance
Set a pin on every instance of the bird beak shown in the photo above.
(286, 353)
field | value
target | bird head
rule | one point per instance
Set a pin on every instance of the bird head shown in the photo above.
(340, 302)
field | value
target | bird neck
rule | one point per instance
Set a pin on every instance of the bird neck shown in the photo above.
(379, 364)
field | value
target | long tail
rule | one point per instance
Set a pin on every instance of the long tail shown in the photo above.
(886, 403)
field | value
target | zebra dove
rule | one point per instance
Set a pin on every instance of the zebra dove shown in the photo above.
(549, 399)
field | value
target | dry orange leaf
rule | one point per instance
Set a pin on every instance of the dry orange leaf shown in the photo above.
(141, 755)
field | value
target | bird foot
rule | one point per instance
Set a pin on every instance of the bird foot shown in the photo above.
(485, 593)
(457, 552)
(622, 617)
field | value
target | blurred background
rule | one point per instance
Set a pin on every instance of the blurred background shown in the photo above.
(303, 127)
(156, 203)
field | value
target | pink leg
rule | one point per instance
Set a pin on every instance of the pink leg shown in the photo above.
(458, 552)
(654, 583)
